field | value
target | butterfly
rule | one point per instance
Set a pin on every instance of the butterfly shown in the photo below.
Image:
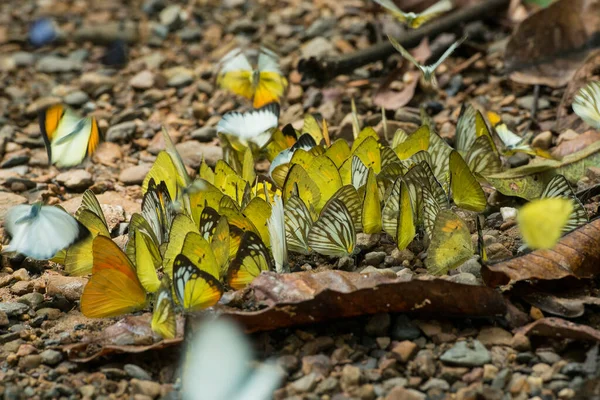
(276, 225)
(68, 137)
(516, 144)
(398, 215)
(221, 342)
(428, 71)
(410, 144)
(586, 104)
(114, 287)
(158, 210)
(333, 233)
(254, 126)
(265, 85)
(298, 222)
(371, 210)
(40, 231)
(251, 259)
(466, 191)
(483, 258)
(164, 320)
(78, 259)
(538, 230)
(194, 287)
(279, 168)
(558, 186)
(450, 244)
(415, 20)
(181, 226)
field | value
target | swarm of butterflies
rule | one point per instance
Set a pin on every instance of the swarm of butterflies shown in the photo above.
(195, 238)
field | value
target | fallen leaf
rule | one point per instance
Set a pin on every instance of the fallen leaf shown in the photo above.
(579, 143)
(560, 329)
(575, 255)
(274, 301)
(563, 307)
(551, 44)
(565, 117)
(131, 334)
(391, 99)
(529, 181)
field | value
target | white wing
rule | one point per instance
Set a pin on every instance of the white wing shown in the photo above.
(450, 50)
(235, 60)
(69, 146)
(406, 54)
(253, 126)
(40, 236)
(276, 225)
(586, 104)
(440, 7)
(268, 61)
(359, 172)
(507, 137)
(390, 6)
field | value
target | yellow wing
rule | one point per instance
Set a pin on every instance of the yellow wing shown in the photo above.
(542, 221)
(326, 176)
(338, 152)
(371, 212)
(417, 141)
(258, 212)
(195, 289)
(252, 258)
(78, 260)
(220, 245)
(466, 191)
(163, 169)
(406, 224)
(299, 180)
(238, 82)
(164, 320)
(451, 244)
(181, 226)
(198, 250)
(144, 263)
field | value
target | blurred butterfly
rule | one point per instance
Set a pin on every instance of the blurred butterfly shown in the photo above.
(195, 288)
(164, 320)
(559, 187)
(265, 85)
(428, 71)
(78, 260)
(68, 137)
(515, 144)
(333, 234)
(114, 288)
(412, 19)
(450, 245)
(221, 342)
(540, 231)
(254, 126)
(276, 225)
(252, 258)
(466, 191)
(40, 231)
(586, 104)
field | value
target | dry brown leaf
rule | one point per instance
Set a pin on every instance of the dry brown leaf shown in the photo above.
(392, 100)
(575, 255)
(579, 143)
(560, 329)
(549, 46)
(283, 300)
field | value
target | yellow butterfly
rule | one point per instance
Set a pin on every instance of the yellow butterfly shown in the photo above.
(164, 320)
(371, 211)
(195, 288)
(398, 215)
(325, 175)
(300, 183)
(586, 104)
(333, 233)
(181, 226)
(466, 191)
(450, 245)
(114, 287)
(414, 20)
(68, 137)
(265, 85)
(252, 258)
(542, 221)
(483, 258)
(417, 141)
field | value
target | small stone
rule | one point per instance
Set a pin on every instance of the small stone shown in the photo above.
(471, 266)
(435, 383)
(179, 77)
(424, 363)
(501, 379)
(404, 350)
(375, 258)
(137, 372)
(288, 362)
(489, 372)
(304, 384)
(108, 154)
(172, 17)
(521, 342)
(50, 313)
(54, 64)
(51, 357)
(318, 47)
(14, 309)
(548, 357)
(378, 325)
(71, 287)
(543, 140)
(350, 376)
(494, 336)
(566, 393)
(76, 179)
(21, 275)
(329, 384)
(31, 299)
(30, 362)
(366, 241)
(400, 393)
(526, 102)
(193, 151)
(204, 134)
(4, 321)
(463, 355)
(122, 132)
(318, 345)
(87, 391)
(320, 364)
(147, 388)
(142, 80)
(76, 98)
(383, 342)
(464, 278)
(134, 175)
(404, 329)
(345, 263)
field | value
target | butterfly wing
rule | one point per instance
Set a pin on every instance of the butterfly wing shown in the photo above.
(450, 245)
(195, 289)
(466, 191)
(78, 260)
(236, 74)
(252, 258)
(586, 104)
(164, 320)
(559, 187)
(482, 159)
(333, 233)
(432, 12)
(181, 226)
(393, 9)
(539, 231)
(297, 225)
(276, 225)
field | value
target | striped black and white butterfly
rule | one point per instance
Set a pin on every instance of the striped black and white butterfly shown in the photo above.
(333, 234)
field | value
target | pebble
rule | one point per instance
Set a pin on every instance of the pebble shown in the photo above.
(108, 154)
(288, 362)
(375, 258)
(193, 151)
(543, 140)
(30, 362)
(378, 325)
(329, 384)
(51, 357)
(318, 47)
(76, 179)
(464, 278)
(71, 287)
(489, 372)
(345, 263)
(494, 336)
(121, 132)
(4, 321)
(404, 329)
(134, 175)
(435, 383)
(76, 98)
(548, 357)
(318, 345)
(53, 64)
(137, 372)
(14, 309)
(172, 17)
(179, 77)
(471, 266)
(147, 388)
(14, 161)
(424, 363)
(87, 391)
(400, 393)
(501, 379)
(404, 350)
(142, 80)
(304, 384)
(320, 364)
(50, 313)
(204, 134)
(463, 355)
(350, 376)
(21, 275)
(31, 299)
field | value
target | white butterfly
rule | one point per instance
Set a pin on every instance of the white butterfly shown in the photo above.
(587, 104)
(276, 225)
(428, 71)
(252, 126)
(305, 142)
(414, 20)
(217, 366)
(39, 231)
(333, 234)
